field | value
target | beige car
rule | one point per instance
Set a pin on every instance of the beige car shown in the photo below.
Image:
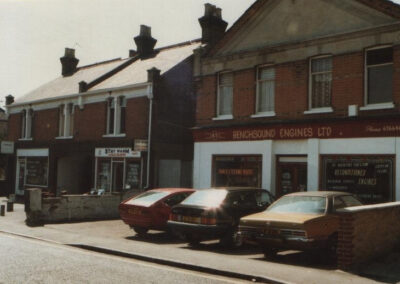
(299, 221)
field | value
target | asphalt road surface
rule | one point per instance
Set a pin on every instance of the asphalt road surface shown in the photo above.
(31, 261)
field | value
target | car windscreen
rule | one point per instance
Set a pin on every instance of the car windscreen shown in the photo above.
(206, 198)
(147, 198)
(300, 204)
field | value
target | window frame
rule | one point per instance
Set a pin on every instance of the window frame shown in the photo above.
(26, 124)
(258, 82)
(118, 103)
(66, 121)
(311, 109)
(218, 115)
(372, 106)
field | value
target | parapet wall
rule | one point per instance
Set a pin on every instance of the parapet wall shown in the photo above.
(367, 232)
(72, 207)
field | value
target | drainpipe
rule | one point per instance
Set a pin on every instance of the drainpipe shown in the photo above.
(150, 96)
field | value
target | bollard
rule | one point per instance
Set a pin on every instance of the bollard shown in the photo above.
(2, 210)
(10, 206)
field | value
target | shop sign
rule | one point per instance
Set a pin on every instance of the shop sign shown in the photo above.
(7, 147)
(342, 129)
(140, 145)
(117, 153)
(370, 178)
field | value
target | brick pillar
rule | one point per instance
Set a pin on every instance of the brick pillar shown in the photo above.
(345, 248)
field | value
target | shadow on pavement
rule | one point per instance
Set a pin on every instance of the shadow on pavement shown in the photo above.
(156, 238)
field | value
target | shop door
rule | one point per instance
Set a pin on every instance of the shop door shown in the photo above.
(292, 177)
(117, 176)
(20, 182)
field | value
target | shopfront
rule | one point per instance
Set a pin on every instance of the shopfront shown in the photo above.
(118, 169)
(32, 169)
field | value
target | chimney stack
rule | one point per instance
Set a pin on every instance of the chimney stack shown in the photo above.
(69, 62)
(144, 42)
(212, 25)
(9, 100)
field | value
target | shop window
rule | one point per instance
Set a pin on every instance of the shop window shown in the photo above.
(237, 171)
(116, 116)
(320, 82)
(370, 178)
(36, 171)
(265, 90)
(379, 75)
(103, 174)
(132, 175)
(26, 123)
(66, 120)
(3, 167)
(225, 94)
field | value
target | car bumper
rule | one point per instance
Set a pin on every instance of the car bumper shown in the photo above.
(198, 229)
(284, 242)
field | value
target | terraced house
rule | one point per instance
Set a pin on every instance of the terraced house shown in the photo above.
(108, 127)
(303, 95)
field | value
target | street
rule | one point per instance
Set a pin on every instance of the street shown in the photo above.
(31, 261)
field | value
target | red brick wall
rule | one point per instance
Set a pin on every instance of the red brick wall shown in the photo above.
(367, 232)
(137, 114)
(14, 127)
(90, 122)
(291, 90)
(45, 125)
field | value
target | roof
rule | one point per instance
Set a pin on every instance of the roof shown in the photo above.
(136, 73)
(385, 6)
(69, 85)
(173, 189)
(319, 193)
(123, 72)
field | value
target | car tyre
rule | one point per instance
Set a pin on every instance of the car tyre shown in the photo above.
(140, 231)
(269, 253)
(193, 240)
(232, 240)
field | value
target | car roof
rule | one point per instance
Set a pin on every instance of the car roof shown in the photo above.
(319, 193)
(173, 189)
(236, 188)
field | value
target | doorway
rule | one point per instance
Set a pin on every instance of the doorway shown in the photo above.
(117, 176)
(291, 175)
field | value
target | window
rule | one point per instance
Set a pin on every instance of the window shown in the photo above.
(26, 124)
(66, 120)
(265, 90)
(379, 75)
(116, 113)
(320, 82)
(225, 94)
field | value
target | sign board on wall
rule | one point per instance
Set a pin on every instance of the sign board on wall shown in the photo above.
(140, 145)
(117, 153)
(7, 147)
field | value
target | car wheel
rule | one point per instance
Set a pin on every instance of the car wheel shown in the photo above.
(140, 231)
(193, 240)
(269, 253)
(232, 240)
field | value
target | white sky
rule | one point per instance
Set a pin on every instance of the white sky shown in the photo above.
(34, 33)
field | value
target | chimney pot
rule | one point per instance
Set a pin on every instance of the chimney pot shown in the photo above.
(83, 86)
(69, 62)
(153, 74)
(212, 25)
(144, 42)
(9, 100)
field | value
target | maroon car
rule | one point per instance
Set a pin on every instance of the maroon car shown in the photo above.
(150, 210)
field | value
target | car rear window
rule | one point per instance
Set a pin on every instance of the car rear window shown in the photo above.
(147, 198)
(350, 200)
(206, 198)
(299, 204)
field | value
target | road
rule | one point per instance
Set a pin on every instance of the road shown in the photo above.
(31, 261)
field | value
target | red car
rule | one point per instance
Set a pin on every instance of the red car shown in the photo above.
(150, 210)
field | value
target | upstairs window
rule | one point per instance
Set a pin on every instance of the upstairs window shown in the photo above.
(265, 90)
(116, 113)
(26, 124)
(225, 94)
(320, 82)
(66, 120)
(379, 75)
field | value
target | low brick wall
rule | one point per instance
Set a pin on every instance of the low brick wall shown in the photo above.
(367, 232)
(73, 207)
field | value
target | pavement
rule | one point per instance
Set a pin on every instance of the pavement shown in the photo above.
(116, 238)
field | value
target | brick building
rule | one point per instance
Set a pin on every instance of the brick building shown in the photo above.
(3, 157)
(302, 95)
(111, 126)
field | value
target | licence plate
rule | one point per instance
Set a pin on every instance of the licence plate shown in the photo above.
(190, 219)
(134, 211)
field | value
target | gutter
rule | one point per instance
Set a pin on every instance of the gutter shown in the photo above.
(150, 96)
